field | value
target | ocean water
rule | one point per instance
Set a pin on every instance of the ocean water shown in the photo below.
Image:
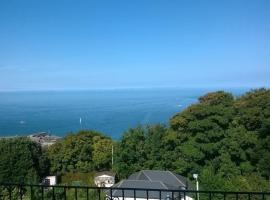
(109, 111)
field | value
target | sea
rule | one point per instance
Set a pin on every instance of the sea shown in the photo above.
(109, 111)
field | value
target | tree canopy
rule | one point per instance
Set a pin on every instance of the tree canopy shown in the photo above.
(225, 139)
(21, 160)
(85, 151)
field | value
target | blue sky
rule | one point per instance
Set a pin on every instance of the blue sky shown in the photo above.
(54, 44)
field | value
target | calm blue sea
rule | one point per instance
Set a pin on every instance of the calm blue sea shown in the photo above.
(108, 111)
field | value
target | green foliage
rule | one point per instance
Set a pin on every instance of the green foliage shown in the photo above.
(71, 178)
(85, 151)
(21, 160)
(140, 148)
(225, 140)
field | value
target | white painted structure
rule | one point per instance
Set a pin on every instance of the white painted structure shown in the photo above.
(152, 180)
(50, 180)
(104, 179)
(132, 198)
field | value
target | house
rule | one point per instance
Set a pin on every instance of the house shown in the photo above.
(104, 179)
(152, 179)
(50, 181)
(44, 139)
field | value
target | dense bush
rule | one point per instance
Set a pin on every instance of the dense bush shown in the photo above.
(85, 151)
(225, 140)
(21, 160)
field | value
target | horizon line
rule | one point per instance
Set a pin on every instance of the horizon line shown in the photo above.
(134, 88)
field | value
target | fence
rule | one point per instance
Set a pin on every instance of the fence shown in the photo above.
(10, 191)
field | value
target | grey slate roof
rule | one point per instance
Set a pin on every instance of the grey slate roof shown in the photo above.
(141, 193)
(151, 179)
(172, 180)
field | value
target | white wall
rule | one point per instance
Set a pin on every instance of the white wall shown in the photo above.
(128, 198)
(52, 179)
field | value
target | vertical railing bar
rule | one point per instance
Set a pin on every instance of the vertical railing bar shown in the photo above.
(263, 197)
(99, 197)
(224, 196)
(236, 196)
(184, 195)
(31, 192)
(42, 192)
(123, 194)
(111, 197)
(65, 193)
(210, 196)
(53, 193)
(20, 191)
(249, 196)
(10, 192)
(87, 193)
(159, 194)
(76, 197)
(172, 195)
(134, 193)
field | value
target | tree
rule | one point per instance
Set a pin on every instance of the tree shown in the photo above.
(21, 160)
(85, 151)
(140, 148)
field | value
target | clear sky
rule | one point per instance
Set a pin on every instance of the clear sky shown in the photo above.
(54, 44)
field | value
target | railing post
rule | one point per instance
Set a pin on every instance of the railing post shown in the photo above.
(10, 192)
(123, 194)
(42, 192)
(65, 193)
(31, 192)
(20, 188)
(76, 197)
(111, 197)
(53, 193)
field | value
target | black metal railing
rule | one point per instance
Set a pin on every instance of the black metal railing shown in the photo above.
(12, 191)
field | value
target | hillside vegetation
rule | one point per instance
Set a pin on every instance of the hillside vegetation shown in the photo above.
(226, 140)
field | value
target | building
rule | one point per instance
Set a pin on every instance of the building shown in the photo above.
(155, 180)
(50, 181)
(104, 179)
(44, 139)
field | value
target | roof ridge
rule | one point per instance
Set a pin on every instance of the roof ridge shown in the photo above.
(138, 175)
(142, 180)
(163, 184)
(147, 176)
(154, 170)
(176, 178)
(119, 185)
